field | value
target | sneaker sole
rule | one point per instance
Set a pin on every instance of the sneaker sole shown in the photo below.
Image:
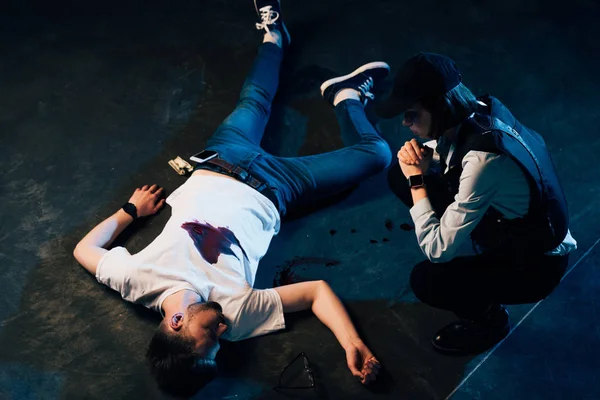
(360, 70)
(285, 30)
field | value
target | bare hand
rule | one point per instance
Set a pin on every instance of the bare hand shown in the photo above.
(147, 200)
(412, 152)
(414, 159)
(362, 363)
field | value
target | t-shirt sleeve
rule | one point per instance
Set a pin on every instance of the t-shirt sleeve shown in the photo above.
(261, 313)
(115, 269)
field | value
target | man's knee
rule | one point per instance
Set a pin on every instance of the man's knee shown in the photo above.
(381, 150)
(256, 101)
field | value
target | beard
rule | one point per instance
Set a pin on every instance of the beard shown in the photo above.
(209, 306)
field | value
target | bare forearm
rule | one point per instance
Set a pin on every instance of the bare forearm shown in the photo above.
(418, 194)
(322, 301)
(90, 250)
(318, 296)
(331, 312)
(107, 231)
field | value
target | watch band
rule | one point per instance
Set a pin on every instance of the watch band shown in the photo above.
(130, 209)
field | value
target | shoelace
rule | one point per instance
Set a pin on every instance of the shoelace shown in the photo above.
(366, 87)
(267, 17)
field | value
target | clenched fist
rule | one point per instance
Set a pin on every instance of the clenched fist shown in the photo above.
(361, 362)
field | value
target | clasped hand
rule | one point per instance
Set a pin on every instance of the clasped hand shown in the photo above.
(414, 158)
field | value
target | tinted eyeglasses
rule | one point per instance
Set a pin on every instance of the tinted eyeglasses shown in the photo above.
(308, 372)
(411, 117)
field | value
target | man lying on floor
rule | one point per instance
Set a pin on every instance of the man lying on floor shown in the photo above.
(199, 272)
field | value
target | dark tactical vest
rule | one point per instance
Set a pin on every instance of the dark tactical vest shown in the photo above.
(546, 223)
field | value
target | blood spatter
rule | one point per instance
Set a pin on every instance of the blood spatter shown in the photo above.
(285, 277)
(373, 241)
(332, 232)
(385, 240)
(353, 230)
(285, 274)
(389, 225)
(407, 227)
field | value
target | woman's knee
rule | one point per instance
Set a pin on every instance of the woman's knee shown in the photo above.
(421, 280)
(399, 185)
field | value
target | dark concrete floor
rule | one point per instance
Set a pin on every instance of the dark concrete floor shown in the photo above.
(94, 102)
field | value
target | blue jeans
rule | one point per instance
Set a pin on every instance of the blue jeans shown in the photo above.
(296, 180)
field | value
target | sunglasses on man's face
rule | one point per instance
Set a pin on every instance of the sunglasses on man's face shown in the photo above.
(411, 117)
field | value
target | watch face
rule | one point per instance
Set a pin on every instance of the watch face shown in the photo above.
(416, 181)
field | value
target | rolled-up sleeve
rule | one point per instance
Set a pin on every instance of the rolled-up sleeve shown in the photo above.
(443, 239)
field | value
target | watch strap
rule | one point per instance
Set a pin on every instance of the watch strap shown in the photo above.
(130, 209)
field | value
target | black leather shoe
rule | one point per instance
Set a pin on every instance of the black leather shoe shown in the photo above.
(466, 337)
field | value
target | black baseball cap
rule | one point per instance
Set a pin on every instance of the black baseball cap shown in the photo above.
(421, 76)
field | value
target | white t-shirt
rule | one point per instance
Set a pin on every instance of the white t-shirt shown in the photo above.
(218, 232)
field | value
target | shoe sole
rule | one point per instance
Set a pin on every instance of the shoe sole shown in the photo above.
(285, 30)
(360, 70)
(459, 353)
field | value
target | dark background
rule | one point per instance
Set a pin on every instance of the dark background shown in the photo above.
(96, 97)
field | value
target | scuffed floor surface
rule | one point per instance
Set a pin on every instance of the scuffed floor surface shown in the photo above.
(95, 98)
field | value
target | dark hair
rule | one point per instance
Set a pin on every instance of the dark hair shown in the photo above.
(177, 369)
(451, 108)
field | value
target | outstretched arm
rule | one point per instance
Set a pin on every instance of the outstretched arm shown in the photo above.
(92, 247)
(318, 297)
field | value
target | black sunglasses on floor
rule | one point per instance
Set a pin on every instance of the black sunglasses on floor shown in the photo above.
(307, 369)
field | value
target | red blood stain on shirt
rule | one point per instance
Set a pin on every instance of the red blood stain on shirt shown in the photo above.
(211, 241)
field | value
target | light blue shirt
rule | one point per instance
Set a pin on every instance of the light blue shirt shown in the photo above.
(487, 180)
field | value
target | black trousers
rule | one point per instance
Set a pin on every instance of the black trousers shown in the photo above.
(469, 285)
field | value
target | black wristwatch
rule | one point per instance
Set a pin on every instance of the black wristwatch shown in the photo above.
(416, 181)
(130, 209)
